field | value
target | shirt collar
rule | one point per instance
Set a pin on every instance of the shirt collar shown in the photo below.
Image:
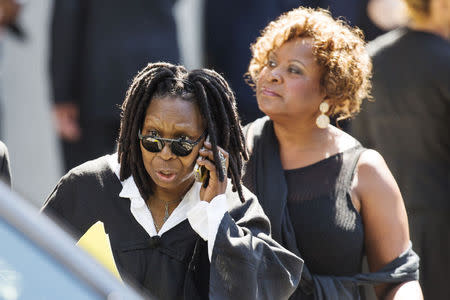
(131, 191)
(129, 188)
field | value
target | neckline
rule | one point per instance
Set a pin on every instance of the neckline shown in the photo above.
(322, 161)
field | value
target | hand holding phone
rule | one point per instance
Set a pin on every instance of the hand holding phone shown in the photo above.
(200, 172)
(205, 171)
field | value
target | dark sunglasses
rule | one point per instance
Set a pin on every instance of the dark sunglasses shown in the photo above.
(179, 147)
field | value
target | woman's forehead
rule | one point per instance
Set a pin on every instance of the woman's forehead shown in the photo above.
(174, 112)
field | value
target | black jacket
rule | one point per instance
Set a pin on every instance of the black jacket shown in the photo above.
(97, 46)
(246, 262)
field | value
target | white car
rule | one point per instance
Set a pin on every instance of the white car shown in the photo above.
(39, 260)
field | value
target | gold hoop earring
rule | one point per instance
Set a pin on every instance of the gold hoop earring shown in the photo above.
(323, 120)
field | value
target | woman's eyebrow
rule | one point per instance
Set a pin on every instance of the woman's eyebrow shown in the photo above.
(297, 61)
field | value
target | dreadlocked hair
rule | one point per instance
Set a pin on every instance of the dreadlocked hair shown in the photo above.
(217, 105)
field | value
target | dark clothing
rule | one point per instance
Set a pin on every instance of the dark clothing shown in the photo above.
(99, 139)
(408, 123)
(97, 47)
(5, 169)
(327, 197)
(353, 11)
(231, 26)
(324, 235)
(409, 120)
(246, 262)
(430, 233)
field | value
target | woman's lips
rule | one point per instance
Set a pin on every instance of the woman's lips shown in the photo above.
(166, 176)
(269, 92)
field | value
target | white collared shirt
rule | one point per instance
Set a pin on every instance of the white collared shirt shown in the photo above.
(203, 217)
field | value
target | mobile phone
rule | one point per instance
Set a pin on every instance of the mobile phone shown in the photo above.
(201, 174)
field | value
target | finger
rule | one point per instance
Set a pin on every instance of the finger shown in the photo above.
(208, 146)
(214, 180)
(222, 160)
(208, 153)
(208, 164)
(216, 170)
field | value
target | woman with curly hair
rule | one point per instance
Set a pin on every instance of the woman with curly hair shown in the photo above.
(329, 200)
(177, 237)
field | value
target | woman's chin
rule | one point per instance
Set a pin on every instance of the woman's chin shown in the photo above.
(268, 108)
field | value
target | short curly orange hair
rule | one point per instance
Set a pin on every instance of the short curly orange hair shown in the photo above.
(338, 49)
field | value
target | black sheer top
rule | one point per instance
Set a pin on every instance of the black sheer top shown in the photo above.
(328, 229)
(312, 215)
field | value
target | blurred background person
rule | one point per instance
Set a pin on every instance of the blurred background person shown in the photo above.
(329, 200)
(96, 46)
(408, 123)
(229, 29)
(387, 14)
(231, 26)
(5, 169)
(9, 10)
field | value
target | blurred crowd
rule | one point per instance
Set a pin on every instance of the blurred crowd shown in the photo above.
(78, 59)
(65, 67)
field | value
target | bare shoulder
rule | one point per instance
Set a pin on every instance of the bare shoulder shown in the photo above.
(372, 169)
(376, 186)
(371, 160)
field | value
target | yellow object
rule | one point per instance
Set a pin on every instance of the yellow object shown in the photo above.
(96, 242)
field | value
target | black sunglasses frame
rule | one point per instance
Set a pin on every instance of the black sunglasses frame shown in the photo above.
(175, 150)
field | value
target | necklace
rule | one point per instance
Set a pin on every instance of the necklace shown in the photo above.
(166, 213)
(166, 210)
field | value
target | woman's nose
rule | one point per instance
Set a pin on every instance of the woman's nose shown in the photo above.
(275, 75)
(166, 152)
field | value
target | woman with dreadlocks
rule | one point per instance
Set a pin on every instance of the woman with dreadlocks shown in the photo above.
(178, 237)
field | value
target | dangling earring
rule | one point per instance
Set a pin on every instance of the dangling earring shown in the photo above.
(323, 120)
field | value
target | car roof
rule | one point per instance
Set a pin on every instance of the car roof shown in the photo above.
(49, 236)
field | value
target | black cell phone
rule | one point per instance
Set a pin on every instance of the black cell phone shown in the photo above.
(201, 173)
